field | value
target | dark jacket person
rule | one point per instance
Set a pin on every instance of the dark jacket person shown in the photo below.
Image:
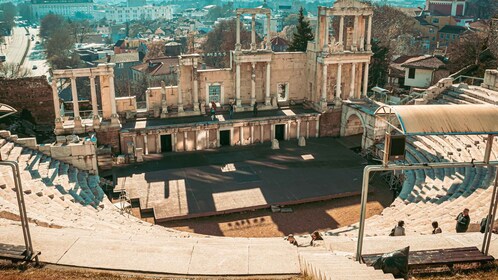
(463, 221)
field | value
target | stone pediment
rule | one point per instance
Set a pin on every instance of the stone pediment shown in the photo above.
(348, 6)
(351, 4)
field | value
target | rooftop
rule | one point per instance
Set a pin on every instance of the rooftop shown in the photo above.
(120, 58)
(453, 29)
(424, 62)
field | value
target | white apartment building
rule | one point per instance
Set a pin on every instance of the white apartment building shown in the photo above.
(65, 8)
(125, 14)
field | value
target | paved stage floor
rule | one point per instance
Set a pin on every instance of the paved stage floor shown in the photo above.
(203, 183)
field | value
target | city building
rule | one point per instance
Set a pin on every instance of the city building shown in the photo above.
(423, 71)
(136, 3)
(118, 14)
(447, 7)
(65, 8)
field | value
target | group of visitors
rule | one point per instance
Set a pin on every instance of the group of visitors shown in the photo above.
(231, 110)
(462, 225)
(315, 236)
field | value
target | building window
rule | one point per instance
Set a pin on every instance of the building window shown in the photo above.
(283, 91)
(214, 93)
(411, 73)
(435, 20)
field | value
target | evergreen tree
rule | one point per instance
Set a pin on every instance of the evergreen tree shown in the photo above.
(302, 35)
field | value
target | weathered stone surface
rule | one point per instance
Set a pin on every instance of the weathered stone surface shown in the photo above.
(33, 94)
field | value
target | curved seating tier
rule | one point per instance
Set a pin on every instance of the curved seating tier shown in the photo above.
(436, 194)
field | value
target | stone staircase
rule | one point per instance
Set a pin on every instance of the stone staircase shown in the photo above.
(324, 265)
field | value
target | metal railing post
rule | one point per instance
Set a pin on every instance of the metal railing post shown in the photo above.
(22, 207)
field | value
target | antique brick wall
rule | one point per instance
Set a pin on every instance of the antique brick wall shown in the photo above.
(33, 94)
(109, 136)
(330, 123)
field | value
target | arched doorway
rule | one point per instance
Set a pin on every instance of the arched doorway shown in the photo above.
(353, 132)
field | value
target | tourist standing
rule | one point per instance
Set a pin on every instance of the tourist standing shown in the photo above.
(435, 228)
(230, 110)
(398, 230)
(213, 110)
(315, 236)
(463, 221)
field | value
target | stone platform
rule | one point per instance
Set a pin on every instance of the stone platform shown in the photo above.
(233, 179)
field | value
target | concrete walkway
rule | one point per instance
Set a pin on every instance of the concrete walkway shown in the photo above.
(156, 254)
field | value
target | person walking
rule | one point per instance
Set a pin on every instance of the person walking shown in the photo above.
(463, 221)
(255, 109)
(230, 110)
(435, 228)
(213, 110)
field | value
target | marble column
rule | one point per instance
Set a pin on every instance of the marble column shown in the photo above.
(268, 30)
(323, 100)
(365, 79)
(253, 83)
(252, 134)
(55, 96)
(146, 144)
(95, 107)
(268, 84)
(369, 33)
(180, 93)
(93, 96)
(353, 80)
(338, 86)
(354, 46)
(112, 93)
(326, 40)
(261, 133)
(57, 107)
(76, 105)
(298, 129)
(237, 85)
(241, 135)
(196, 90)
(253, 32)
(341, 32)
(237, 42)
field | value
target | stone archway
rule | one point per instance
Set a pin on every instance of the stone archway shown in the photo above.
(353, 126)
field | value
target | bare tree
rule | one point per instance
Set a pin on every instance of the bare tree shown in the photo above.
(155, 50)
(13, 71)
(467, 51)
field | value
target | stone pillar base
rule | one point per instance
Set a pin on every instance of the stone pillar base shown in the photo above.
(239, 103)
(180, 108)
(323, 105)
(253, 100)
(96, 121)
(196, 106)
(268, 101)
(115, 120)
(338, 101)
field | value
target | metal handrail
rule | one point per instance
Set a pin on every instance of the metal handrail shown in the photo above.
(22, 208)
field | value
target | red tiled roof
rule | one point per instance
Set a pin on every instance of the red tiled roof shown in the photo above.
(158, 66)
(428, 62)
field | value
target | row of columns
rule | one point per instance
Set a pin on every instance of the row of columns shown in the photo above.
(238, 46)
(355, 34)
(338, 90)
(174, 137)
(253, 84)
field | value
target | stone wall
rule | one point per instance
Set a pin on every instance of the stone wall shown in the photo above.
(33, 94)
(109, 136)
(81, 154)
(330, 123)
